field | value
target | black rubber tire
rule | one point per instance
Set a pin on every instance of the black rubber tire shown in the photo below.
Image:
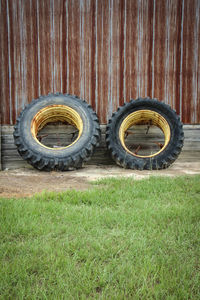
(165, 157)
(64, 159)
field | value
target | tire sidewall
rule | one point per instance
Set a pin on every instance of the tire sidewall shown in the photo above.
(27, 116)
(153, 105)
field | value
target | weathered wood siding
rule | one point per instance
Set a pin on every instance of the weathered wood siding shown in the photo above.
(105, 51)
(12, 160)
(0, 149)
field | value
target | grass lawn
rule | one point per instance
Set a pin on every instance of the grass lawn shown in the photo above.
(123, 239)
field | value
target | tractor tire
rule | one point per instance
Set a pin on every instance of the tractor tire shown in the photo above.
(57, 108)
(145, 111)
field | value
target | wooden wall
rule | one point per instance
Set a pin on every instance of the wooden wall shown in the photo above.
(105, 51)
(12, 160)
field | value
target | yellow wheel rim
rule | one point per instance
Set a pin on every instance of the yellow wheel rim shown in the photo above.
(145, 117)
(55, 113)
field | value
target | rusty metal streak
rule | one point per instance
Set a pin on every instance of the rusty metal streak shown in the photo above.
(181, 59)
(153, 47)
(96, 57)
(9, 62)
(124, 75)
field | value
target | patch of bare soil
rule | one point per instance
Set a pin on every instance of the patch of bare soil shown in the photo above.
(28, 181)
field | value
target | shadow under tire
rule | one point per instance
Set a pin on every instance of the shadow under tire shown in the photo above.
(57, 108)
(145, 111)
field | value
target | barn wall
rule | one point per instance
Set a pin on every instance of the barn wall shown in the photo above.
(105, 51)
(12, 160)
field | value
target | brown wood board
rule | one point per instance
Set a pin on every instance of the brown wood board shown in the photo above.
(105, 51)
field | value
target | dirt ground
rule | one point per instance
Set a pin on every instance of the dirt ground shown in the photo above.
(28, 181)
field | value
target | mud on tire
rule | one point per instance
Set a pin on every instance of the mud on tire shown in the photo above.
(145, 112)
(54, 108)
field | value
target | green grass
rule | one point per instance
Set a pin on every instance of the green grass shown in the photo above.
(123, 239)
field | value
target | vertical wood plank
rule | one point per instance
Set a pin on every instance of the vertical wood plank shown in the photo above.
(189, 63)
(131, 51)
(4, 65)
(103, 45)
